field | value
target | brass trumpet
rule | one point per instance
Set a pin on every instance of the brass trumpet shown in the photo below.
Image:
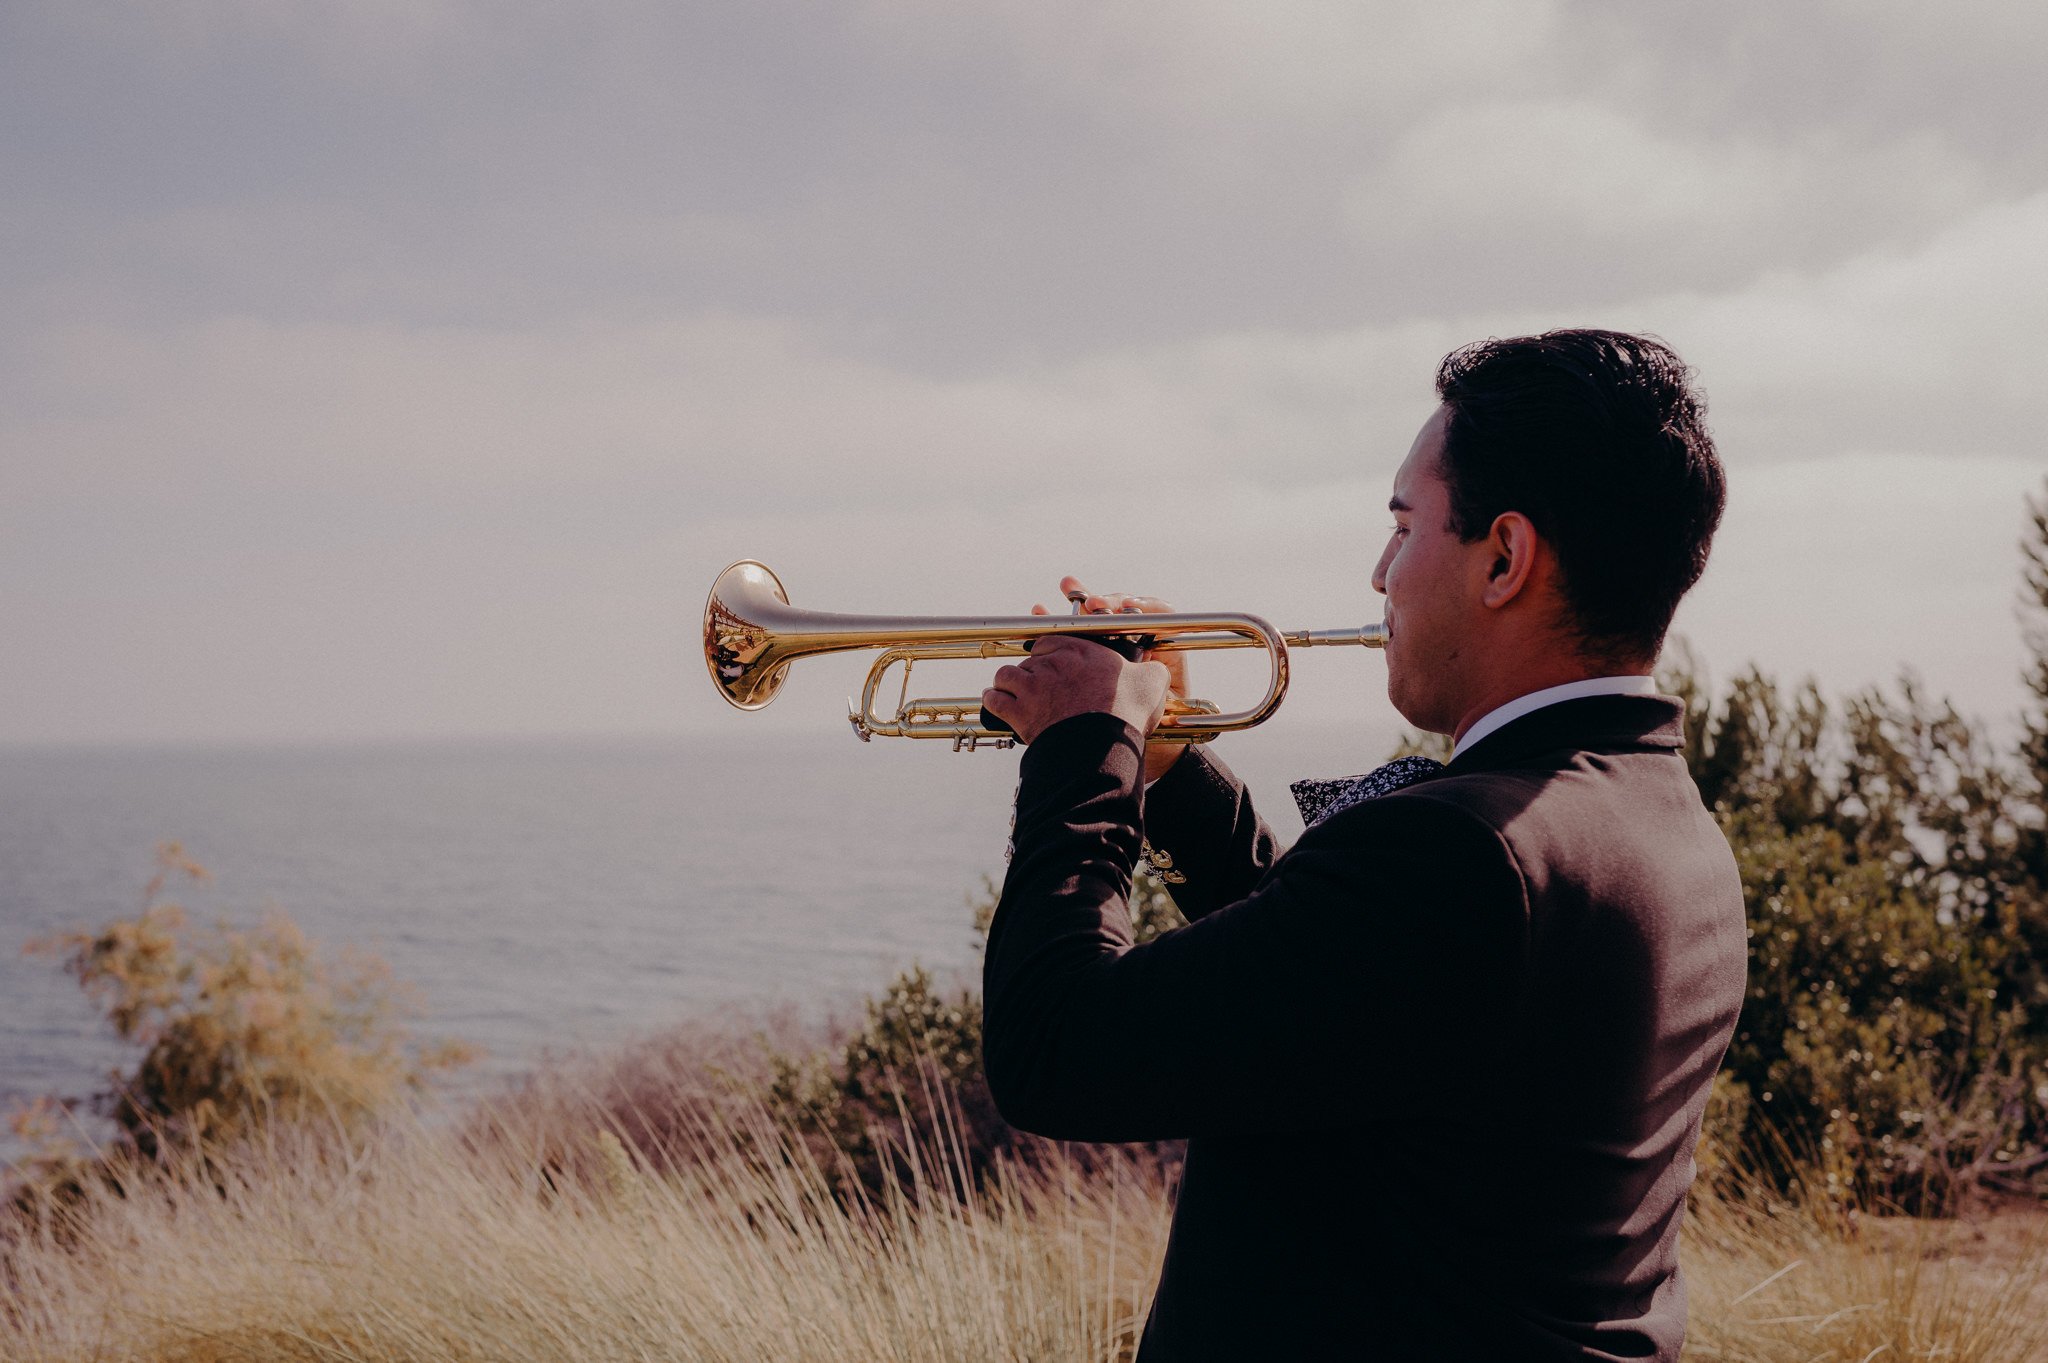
(752, 634)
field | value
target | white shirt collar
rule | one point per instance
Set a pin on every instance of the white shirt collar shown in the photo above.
(1551, 695)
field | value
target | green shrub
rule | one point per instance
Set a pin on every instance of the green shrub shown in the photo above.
(236, 1028)
(1892, 1043)
(1873, 1027)
(910, 1076)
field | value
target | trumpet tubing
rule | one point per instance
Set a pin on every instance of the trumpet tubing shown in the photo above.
(752, 635)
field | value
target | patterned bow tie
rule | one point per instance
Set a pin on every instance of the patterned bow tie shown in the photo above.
(1320, 799)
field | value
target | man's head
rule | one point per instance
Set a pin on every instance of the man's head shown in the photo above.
(1548, 519)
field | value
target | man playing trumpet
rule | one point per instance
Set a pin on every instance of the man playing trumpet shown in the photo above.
(1442, 1064)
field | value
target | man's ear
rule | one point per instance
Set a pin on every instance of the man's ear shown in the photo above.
(1514, 547)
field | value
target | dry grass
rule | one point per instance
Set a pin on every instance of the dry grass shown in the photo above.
(421, 1245)
(1772, 1280)
(426, 1243)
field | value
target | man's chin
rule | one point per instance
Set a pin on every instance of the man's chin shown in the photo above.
(1414, 710)
(1404, 706)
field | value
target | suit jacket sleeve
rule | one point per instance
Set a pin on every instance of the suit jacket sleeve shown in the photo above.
(1200, 815)
(1377, 962)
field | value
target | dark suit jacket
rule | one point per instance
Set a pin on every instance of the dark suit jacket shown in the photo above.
(1441, 1065)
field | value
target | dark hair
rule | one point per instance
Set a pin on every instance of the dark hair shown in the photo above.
(1598, 438)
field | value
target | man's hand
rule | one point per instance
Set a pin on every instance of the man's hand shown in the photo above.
(1067, 677)
(1159, 757)
(1072, 676)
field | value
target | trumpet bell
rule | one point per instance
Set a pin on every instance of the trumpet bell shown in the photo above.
(739, 647)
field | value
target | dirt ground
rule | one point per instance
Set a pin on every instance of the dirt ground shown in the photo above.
(2002, 1242)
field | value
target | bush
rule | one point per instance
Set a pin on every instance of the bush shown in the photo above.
(1892, 1042)
(1873, 1038)
(910, 1077)
(237, 1029)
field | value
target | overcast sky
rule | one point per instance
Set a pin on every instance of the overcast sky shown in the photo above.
(410, 367)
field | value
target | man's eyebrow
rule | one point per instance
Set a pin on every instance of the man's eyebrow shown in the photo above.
(1396, 503)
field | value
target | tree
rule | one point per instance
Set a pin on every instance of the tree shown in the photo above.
(238, 1028)
(1893, 866)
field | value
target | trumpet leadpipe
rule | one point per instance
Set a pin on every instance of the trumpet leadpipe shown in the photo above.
(1364, 636)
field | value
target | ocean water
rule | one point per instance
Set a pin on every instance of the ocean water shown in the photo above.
(536, 896)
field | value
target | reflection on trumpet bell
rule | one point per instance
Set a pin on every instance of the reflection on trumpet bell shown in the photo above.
(752, 635)
(738, 642)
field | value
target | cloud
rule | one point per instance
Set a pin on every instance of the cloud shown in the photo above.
(1850, 568)
(1929, 352)
(1537, 199)
(944, 186)
(338, 528)
(413, 357)
(1932, 352)
(1855, 72)
(1292, 60)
